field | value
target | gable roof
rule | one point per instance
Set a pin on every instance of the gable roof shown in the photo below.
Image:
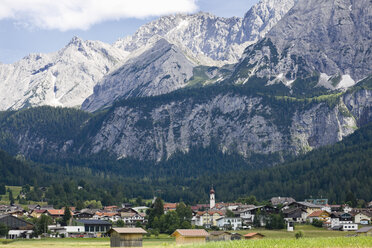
(56, 211)
(317, 213)
(191, 232)
(124, 230)
(253, 234)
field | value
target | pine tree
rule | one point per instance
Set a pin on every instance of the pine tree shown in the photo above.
(66, 217)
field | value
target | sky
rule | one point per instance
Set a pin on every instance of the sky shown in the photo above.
(42, 26)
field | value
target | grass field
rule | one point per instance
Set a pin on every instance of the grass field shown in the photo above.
(82, 242)
(335, 242)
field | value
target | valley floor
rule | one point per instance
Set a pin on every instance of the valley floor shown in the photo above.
(312, 237)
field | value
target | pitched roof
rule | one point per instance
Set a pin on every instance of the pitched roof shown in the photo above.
(191, 232)
(253, 234)
(364, 229)
(128, 230)
(170, 205)
(56, 211)
(316, 213)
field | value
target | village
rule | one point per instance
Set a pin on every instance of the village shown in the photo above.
(216, 221)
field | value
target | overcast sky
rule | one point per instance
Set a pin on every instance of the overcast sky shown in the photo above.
(40, 26)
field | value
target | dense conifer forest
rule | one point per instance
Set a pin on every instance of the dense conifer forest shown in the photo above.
(342, 172)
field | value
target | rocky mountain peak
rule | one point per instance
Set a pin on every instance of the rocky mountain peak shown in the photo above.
(158, 70)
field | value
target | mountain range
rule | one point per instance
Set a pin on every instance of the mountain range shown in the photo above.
(289, 77)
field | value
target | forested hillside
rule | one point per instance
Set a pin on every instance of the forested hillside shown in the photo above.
(334, 172)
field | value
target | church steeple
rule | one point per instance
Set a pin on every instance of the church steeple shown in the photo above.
(212, 199)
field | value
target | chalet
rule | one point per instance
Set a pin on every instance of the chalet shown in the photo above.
(369, 204)
(184, 236)
(133, 218)
(366, 231)
(308, 207)
(249, 214)
(219, 236)
(254, 236)
(56, 213)
(111, 216)
(95, 226)
(85, 214)
(321, 215)
(228, 223)
(36, 213)
(363, 218)
(126, 237)
(295, 215)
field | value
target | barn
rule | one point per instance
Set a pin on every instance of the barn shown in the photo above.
(184, 236)
(126, 237)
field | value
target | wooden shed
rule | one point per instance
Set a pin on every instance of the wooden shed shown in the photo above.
(126, 237)
(185, 236)
(219, 236)
(254, 236)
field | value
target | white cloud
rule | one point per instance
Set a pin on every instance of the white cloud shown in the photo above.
(82, 14)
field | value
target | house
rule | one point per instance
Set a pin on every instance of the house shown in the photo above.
(131, 218)
(343, 221)
(219, 236)
(249, 214)
(366, 231)
(275, 201)
(56, 213)
(363, 218)
(95, 226)
(254, 236)
(126, 237)
(33, 207)
(18, 228)
(110, 208)
(111, 216)
(369, 204)
(321, 215)
(169, 207)
(36, 213)
(226, 223)
(85, 214)
(294, 215)
(307, 206)
(185, 236)
(67, 231)
(207, 218)
(16, 234)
